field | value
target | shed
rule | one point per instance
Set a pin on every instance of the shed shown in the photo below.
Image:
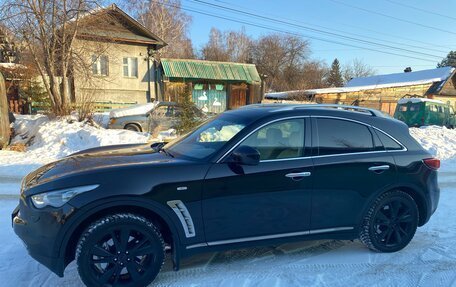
(216, 86)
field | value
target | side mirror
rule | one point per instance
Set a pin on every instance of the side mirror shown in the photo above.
(157, 146)
(244, 155)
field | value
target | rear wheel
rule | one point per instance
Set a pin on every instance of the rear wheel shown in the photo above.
(120, 250)
(133, 127)
(390, 223)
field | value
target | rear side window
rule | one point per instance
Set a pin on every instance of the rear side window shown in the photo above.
(388, 142)
(339, 136)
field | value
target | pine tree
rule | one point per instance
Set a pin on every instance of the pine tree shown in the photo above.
(188, 117)
(450, 60)
(335, 75)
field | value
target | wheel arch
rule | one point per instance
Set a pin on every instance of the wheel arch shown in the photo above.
(166, 226)
(420, 202)
(138, 125)
(417, 196)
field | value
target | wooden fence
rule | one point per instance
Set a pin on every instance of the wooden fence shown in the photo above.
(4, 117)
(98, 107)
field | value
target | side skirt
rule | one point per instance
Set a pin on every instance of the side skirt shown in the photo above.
(267, 237)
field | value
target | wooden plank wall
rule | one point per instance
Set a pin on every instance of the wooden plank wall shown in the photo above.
(384, 99)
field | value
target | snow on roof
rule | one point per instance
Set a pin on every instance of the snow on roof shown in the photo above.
(134, 110)
(418, 100)
(12, 66)
(404, 79)
(282, 95)
(377, 82)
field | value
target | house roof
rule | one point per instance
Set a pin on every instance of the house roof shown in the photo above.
(190, 70)
(437, 76)
(404, 79)
(132, 31)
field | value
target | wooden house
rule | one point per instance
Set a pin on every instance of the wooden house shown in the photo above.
(383, 91)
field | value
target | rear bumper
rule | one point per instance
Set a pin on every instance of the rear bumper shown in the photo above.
(432, 194)
(38, 231)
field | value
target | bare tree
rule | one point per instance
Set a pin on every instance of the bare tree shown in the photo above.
(48, 28)
(281, 58)
(167, 20)
(215, 49)
(355, 69)
(233, 46)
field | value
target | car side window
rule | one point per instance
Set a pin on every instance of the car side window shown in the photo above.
(339, 137)
(163, 111)
(279, 140)
(388, 142)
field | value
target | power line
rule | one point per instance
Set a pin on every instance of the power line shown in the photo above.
(292, 33)
(317, 30)
(393, 17)
(361, 35)
(421, 10)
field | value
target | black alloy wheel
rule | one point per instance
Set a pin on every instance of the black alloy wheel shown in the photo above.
(120, 250)
(390, 223)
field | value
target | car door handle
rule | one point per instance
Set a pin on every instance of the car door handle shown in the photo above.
(298, 174)
(379, 167)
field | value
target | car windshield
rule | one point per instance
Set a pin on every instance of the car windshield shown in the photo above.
(208, 138)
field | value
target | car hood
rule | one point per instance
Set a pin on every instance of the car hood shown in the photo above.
(96, 159)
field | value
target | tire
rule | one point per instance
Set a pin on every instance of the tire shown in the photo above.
(390, 223)
(105, 256)
(133, 127)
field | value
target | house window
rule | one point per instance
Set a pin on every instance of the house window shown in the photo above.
(100, 65)
(130, 67)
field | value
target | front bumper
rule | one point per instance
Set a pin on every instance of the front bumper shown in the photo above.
(40, 230)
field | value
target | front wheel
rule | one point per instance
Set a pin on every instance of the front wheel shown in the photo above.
(120, 250)
(390, 223)
(133, 127)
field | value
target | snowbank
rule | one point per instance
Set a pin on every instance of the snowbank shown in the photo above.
(48, 140)
(439, 141)
(133, 110)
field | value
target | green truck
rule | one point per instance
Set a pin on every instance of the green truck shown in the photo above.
(417, 112)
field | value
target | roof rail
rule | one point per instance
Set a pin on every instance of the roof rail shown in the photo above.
(372, 112)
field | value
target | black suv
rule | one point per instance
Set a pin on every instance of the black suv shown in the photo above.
(263, 174)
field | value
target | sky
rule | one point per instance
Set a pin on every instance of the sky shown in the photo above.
(422, 31)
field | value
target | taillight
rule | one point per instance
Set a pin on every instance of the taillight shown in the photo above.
(432, 163)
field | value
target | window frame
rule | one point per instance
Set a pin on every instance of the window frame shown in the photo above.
(310, 147)
(97, 60)
(129, 67)
(372, 130)
(307, 140)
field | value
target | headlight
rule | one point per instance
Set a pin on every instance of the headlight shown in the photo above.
(57, 198)
(112, 121)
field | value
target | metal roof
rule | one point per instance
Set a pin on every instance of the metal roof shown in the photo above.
(404, 79)
(191, 70)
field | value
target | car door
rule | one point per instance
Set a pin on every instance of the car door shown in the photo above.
(350, 165)
(269, 200)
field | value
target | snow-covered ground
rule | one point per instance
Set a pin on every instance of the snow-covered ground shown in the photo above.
(429, 260)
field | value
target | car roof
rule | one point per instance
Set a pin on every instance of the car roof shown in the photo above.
(257, 110)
